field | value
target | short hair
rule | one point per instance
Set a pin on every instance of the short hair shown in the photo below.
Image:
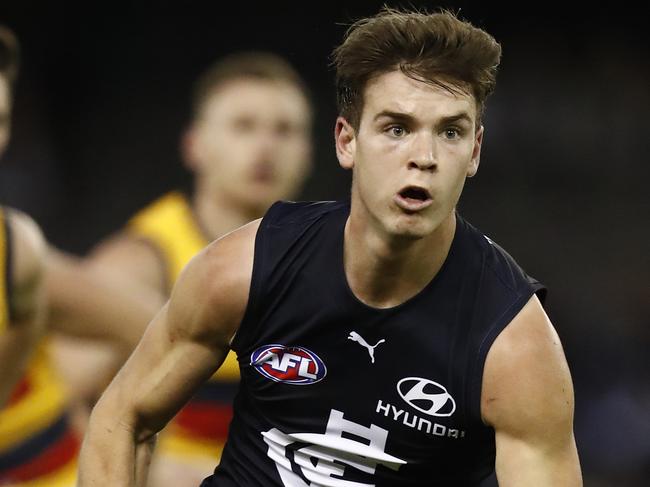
(9, 54)
(257, 65)
(437, 48)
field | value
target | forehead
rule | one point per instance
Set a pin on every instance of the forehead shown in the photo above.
(398, 93)
(256, 97)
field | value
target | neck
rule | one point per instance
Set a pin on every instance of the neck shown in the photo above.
(383, 271)
(216, 215)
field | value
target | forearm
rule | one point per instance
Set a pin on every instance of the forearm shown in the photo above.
(88, 303)
(112, 453)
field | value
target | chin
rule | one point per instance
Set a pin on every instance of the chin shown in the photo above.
(411, 227)
(253, 205)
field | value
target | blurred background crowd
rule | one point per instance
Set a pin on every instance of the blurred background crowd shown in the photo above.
(103, 95)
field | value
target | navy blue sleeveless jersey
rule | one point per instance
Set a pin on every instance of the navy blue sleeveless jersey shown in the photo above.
(337, 393)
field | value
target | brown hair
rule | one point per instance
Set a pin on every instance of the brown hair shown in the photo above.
(437, 48)
(8, 54)
(257, 65)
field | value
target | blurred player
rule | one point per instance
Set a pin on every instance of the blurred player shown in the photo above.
(38, 443)
(248, 145)
(22, 252)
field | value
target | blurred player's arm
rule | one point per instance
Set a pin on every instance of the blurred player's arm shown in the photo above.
(87, 302)
(127, 256)
(527, 398)
(181, 348)
(99, 307)
(26, 300)
(96, 320)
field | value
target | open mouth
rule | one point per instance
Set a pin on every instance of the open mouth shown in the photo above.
(415, 193)
(413, 198)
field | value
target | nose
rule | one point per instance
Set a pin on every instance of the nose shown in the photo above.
(266, 140)
(423, 156)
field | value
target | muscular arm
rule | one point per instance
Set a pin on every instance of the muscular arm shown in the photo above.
(527, 398)
(100, 306)
(27, 301)
(86, 301)
(181, 348)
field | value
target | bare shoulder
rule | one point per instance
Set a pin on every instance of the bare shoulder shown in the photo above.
(28, 250)
(527, 388)
(212, 290)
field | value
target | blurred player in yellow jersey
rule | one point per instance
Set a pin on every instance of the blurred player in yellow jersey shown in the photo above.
(248, 145)
(37, 446)
(22, 253)
(38, 285)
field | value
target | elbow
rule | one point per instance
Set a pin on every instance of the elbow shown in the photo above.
(117, 416)
(112, 417)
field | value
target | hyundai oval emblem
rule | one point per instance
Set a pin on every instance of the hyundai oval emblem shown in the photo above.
(434, 401)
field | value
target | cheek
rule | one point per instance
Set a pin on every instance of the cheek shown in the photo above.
(227, 153)
(460, 160)
(293, 155)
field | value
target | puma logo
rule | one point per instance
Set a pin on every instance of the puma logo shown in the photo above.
(355, 337)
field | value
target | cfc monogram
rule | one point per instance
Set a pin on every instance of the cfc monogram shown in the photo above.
(308, 459)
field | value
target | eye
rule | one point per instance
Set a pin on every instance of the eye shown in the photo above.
(243, 124)
(452, 133)
(396, 131)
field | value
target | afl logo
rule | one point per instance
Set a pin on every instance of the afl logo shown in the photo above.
(426, 396)
(290, 365)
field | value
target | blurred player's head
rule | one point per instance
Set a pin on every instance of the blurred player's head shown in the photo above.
(8, 73)
(411, 88)
(249, 143)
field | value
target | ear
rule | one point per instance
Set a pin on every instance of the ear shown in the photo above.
(345, 141)
(190, 149)
(476, 153)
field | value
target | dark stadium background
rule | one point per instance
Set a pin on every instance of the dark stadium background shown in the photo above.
(104, 94)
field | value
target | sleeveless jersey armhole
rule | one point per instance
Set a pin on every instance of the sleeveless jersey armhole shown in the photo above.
(250, 320)
(476, 384)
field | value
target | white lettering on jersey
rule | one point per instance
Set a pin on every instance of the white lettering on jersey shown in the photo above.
(323, 455)
(409, 419)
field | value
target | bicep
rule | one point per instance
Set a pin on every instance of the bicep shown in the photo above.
(528, 399)
(160, 375)
(531, 462)
(189, 338)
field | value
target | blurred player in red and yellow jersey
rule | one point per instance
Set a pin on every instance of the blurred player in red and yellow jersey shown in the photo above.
(248, 145)
(42, 289)
(37, 445)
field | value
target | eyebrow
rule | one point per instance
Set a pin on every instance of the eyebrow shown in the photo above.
(461, 116)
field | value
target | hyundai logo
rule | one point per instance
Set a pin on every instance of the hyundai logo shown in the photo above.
(426, 396)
